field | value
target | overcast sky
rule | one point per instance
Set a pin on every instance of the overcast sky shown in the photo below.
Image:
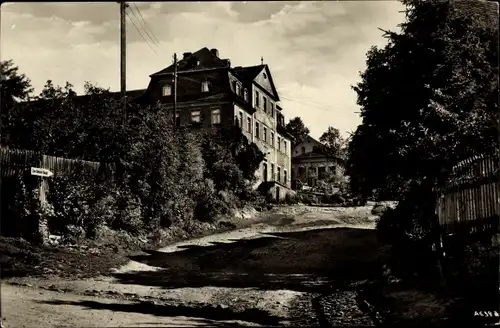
(315, 50)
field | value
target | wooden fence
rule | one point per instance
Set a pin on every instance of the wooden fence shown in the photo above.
(16, 161)
(470, 201)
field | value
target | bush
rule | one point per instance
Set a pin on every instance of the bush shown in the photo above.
(76, 200)
(28, 207)
(230, 160)
(291, 199)
(124, 211)
(298, 184)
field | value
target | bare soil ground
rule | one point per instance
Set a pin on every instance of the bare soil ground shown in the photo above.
(260, 275)
(291, 266)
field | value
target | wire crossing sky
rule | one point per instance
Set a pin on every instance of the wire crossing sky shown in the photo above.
(315, 50)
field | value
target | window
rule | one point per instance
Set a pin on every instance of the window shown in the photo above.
(272, 138)
(245, 95)
(195, 116)
(257, 135)
(166, 90)
(249, 124)
(284, 176)
(265, 134)
(279, 174)
(264, 171)
(321, 172)
(240, 124)
(204, 86)
(284, 144)
(216, 116)
(279, 143)
(271, 107)
(301, 171)
(238, 89)
(264, 103)
(257, 98)
(272, 172)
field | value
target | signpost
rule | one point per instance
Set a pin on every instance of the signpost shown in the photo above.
(41, 172)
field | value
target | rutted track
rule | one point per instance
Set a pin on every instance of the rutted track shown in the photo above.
(258, 276)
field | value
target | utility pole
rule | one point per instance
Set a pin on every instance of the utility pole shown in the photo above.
(123, 62)
(175, 89)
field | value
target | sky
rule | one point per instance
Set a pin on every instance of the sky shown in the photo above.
(315, 50)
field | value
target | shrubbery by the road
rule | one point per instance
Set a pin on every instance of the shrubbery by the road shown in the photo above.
(161, 176)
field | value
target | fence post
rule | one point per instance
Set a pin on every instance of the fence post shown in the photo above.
(438, 242)
(43, 226)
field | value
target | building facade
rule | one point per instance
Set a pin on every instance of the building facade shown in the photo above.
(310, 164)
(210, 93)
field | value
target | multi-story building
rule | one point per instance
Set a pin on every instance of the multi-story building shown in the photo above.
(310, 163)
(211, 93)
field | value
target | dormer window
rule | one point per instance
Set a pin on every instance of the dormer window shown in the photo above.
(197, 63)
(245, 94)
(204, 86)
(166, 90)
(238, 89)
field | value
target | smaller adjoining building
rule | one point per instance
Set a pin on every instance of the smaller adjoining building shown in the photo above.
(310, 163)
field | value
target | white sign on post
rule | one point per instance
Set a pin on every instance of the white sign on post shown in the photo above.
(41, 172)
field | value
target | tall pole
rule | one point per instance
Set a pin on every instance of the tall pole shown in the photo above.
(123, 63)
(175, 88)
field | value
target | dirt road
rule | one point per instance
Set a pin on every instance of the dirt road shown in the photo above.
(263, 275)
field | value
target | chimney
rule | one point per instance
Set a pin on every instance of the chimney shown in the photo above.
(186, 55)
(227, 62)
(215, 52)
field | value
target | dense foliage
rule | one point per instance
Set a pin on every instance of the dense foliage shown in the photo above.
(297, 129)
(428, 99)
(157, 176)
(334, 144)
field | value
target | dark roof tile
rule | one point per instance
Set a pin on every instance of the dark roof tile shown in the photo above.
(247, 74)
(206, 58)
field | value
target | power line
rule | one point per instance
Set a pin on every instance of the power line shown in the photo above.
(147, 27)
(309, 104)
(144, 27)
(304, 99)
(141, 35)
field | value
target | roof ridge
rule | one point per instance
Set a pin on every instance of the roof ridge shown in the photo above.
(247, 67)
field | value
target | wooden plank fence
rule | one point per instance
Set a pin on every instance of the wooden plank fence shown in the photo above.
(16, 161)
(470, 200)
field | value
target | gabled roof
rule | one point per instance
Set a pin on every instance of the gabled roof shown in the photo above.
(206, 58)
(247, 74)
(307, 138)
